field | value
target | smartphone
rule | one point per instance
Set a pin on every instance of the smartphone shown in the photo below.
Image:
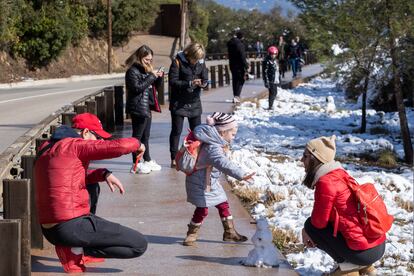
(205, 83)
(161, 69)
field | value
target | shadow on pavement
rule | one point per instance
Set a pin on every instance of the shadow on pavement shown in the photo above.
(234, 261)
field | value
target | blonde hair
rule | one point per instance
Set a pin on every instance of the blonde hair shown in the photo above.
(138, 55)
(194, 51)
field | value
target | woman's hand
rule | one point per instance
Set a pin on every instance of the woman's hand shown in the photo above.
(307, 241)
(196, 82)
(157, 73)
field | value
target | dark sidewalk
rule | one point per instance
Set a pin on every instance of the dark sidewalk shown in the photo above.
(155, 204)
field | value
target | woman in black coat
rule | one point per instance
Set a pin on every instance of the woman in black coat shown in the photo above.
(140, 81)
(187, 75)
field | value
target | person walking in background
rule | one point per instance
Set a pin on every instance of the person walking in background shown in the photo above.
(61, 175)
(282, 45)
(187, 75)
(301, 54)
(238, 64)
(203, 186)
(140, 81)
(258, 49)
(336, 209)
(271, 75)
(293, 56)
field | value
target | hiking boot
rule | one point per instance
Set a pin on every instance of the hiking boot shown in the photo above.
(230, 233)
(369, 270)
(70, 258)
(154, 166)
(191, 234)
(90, 259)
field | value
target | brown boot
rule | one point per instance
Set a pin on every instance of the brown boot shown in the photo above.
(230, 233)
(369, 270)
(191, 234)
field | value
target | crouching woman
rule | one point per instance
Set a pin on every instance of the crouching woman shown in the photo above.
(334, 226)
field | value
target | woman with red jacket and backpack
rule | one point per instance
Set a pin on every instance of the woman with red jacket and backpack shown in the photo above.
(334, 225)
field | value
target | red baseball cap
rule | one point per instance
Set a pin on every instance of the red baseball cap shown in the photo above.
(91, 122)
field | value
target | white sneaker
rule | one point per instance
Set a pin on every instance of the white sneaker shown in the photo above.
(143, 168)
(236, 99)
(132, 169)
(154, 166)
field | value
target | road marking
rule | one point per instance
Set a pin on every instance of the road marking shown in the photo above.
(51, 93)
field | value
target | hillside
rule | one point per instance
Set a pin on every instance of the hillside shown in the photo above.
(90, 57)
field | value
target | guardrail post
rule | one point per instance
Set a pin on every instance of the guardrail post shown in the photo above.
(119, 105)
(67, 118)
(100, 109)
(258, 69)
(16, 204)
(227, 74)
(10, 247)
(79, 109)
(39, 142)
(213, 76)
(91, 107)
(109, 109)
(27, 163)
(220, 75)
(252, 68)
(161, 90)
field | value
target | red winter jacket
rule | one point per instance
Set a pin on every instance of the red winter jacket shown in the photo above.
(61, 175)
(332, 194)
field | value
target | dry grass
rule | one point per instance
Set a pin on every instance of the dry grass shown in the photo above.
(406, 205)
(410, 267)
(285, 240)
(385, 159)
(272, 198)
(248, 196)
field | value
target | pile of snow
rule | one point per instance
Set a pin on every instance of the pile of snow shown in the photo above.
(300, 115)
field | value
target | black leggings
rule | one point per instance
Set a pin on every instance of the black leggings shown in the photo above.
(98, 237)
(338, 249)
(141, 129)
(177, 123)
(272, 93)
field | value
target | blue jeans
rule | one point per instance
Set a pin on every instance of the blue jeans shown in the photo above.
(293, 64)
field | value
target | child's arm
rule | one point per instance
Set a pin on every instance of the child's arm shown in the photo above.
(218, 159)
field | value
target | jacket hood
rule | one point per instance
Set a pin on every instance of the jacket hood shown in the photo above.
(182, 57)
(209, 135)
(62, 132)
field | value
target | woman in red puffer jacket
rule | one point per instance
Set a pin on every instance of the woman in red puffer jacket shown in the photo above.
(334, 226)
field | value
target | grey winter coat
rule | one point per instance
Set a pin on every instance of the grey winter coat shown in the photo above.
(211, 154)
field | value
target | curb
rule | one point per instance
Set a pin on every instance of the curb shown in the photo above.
(75, 78)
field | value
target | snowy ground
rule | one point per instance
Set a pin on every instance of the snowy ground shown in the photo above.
(300, 115)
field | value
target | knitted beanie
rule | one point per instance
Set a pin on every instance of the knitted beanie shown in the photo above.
(221, 121)
(323, 148)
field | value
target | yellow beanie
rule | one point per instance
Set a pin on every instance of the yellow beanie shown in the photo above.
(323, 148)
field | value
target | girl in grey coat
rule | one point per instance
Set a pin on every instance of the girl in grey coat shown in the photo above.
(203, 186)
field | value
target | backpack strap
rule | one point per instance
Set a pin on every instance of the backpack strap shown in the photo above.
(43, 150)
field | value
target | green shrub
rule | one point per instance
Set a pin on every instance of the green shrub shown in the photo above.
(46, 30)
(131, 15)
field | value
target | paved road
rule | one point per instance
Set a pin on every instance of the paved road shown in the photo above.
(22, 108)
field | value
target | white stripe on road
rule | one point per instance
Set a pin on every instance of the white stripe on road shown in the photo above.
(51, 93)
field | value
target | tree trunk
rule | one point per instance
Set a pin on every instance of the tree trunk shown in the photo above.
(364, 105)
(405, 131)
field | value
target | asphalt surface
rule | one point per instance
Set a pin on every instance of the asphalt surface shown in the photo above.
(155, 204)
(22, 108)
